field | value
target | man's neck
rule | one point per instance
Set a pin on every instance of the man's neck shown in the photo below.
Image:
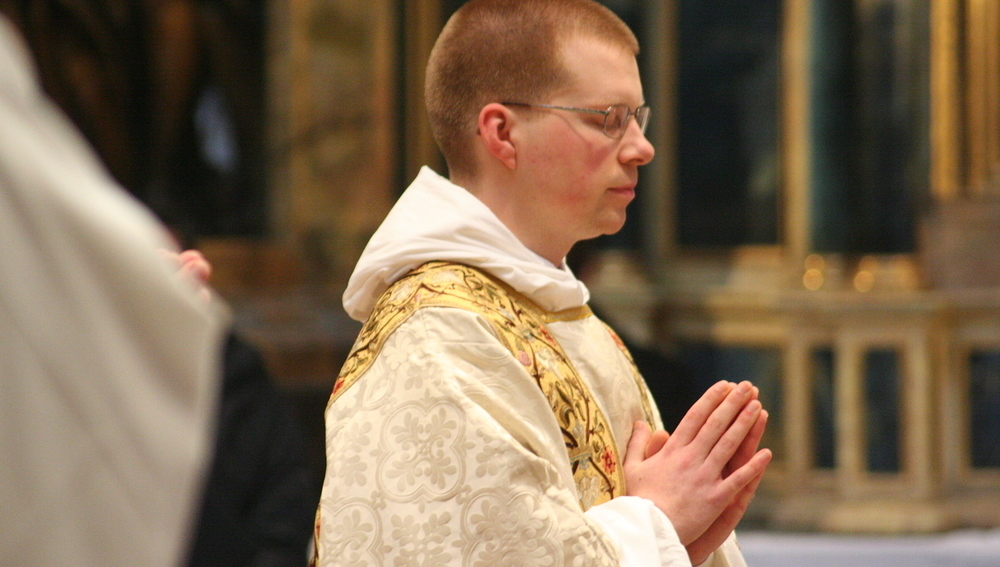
(494, 194)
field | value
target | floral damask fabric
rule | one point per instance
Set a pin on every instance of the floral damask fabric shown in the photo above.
(521, 327)
(443, 448)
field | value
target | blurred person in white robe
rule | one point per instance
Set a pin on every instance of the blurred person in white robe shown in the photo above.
(109, 352)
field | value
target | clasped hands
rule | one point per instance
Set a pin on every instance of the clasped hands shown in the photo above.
(704, 475)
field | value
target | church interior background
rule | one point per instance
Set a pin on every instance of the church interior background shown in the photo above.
(822, 217)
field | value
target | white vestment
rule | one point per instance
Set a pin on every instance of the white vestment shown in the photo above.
(445, 451)
(109, 361)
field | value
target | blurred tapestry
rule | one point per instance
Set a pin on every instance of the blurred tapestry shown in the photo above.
(171, 95)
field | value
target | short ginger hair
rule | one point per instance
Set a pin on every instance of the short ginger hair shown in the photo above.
(505, 51)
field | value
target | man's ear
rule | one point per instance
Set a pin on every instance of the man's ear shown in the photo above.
(495, 123)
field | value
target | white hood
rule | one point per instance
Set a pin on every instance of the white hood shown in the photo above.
(435, 219)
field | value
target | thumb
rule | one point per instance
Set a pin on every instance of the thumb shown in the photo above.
(636, 450)
(656, 442)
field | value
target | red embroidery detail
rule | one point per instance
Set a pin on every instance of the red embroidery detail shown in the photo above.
(608, 460)
(545, 334)
(617, 339)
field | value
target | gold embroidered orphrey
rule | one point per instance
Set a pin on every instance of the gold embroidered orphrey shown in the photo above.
(520, 325)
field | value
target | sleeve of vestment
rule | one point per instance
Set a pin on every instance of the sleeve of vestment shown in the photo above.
(108, 361)
(446, 452)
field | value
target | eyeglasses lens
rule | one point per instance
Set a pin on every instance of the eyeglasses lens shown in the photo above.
(642, 117)
(616, 121)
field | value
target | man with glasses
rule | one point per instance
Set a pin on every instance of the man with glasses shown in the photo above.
(484, 415)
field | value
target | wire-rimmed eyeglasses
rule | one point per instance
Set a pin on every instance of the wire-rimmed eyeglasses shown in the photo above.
(615, 117)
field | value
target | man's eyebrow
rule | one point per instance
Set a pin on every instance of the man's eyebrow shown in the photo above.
(623, 103)
(605, 105)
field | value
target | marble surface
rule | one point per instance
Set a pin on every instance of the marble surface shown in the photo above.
(966, 548)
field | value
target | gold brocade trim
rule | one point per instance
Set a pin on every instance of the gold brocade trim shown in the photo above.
(520, 326)
(573, 314)
(647, 406)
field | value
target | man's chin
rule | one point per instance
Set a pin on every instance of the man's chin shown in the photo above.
(616, 223)
(612, 228)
